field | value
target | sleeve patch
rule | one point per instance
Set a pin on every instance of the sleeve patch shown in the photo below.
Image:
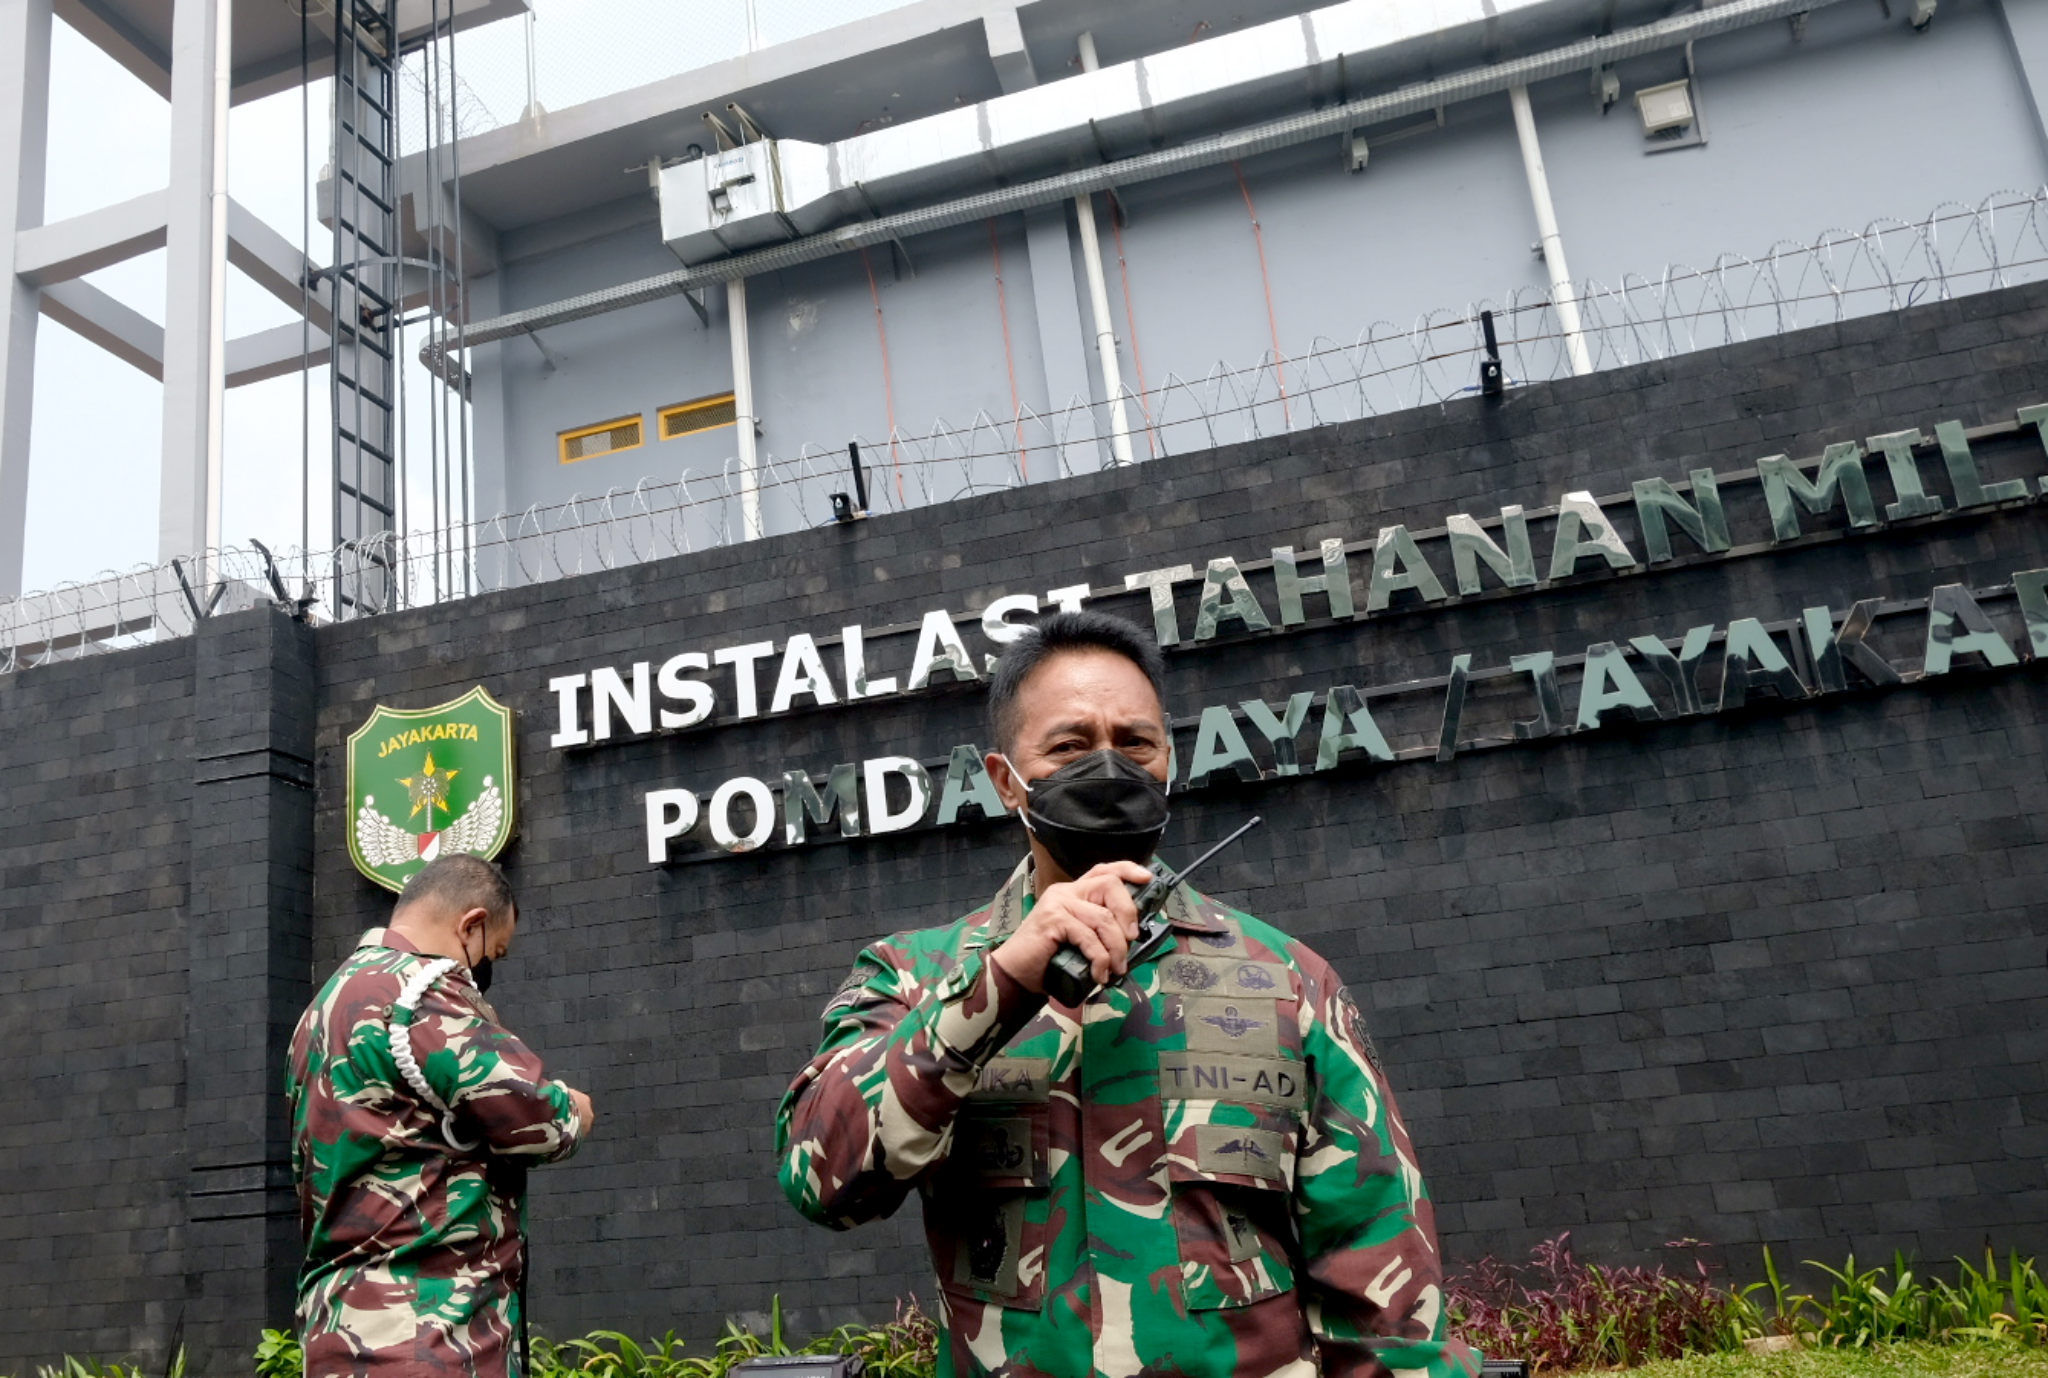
(1354, 1020)
(844, 996)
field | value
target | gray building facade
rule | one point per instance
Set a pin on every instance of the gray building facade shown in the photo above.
(1254, 294)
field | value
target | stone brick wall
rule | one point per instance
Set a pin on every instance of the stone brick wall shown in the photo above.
(1770, 975)
(95, 793)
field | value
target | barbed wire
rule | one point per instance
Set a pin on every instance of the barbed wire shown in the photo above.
(1840, 275)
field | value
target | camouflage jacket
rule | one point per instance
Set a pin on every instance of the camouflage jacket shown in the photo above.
(1200, 1172)
(413, 1249)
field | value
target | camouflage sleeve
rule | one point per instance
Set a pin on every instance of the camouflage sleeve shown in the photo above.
(1368, 1231)
(495, 1083)
(875, 1107)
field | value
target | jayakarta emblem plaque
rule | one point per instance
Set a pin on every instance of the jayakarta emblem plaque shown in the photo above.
(423, 782)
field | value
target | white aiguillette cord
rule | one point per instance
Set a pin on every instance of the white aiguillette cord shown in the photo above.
(409, 996)
(408, 1000)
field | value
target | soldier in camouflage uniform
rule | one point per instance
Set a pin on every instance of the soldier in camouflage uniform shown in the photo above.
(412, 1204)
(1199, 1171)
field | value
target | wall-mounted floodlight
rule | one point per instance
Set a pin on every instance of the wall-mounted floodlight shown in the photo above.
(1922, 15)
(855, 508)
(1665, 108)
(1356, 152)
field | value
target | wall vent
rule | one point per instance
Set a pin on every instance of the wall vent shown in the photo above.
(608, 438)
(704, 414)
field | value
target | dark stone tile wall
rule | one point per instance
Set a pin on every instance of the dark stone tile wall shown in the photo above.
(1773, 975)
(249, 930)
(95, 794)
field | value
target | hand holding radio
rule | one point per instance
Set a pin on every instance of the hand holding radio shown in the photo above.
(1070, 978)
(1093, 916)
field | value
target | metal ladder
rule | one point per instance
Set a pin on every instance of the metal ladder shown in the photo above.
(368, 285)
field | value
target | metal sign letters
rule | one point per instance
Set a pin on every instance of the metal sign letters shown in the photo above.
(1779, 503)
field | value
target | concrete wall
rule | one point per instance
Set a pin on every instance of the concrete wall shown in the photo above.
(1761, 976)
(819, 365)
(1857, 119)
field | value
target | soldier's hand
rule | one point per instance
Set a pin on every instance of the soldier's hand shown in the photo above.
(586, 1113)
(1093, 912)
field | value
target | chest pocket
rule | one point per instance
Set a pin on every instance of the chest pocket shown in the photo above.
(1233, 1211)
(987, 1209)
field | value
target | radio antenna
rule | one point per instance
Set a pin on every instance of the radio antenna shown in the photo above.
(1249, 824)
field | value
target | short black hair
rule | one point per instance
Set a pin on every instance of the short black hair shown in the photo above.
(1066, 631)
(461, 880)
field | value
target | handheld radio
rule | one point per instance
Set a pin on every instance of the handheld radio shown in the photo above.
(1068, 978)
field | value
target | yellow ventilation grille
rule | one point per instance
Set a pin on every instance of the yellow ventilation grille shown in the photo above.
(606, 439)
(704, 414)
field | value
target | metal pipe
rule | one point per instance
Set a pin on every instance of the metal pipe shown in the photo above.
(1098, 302)
(1561, 290)
(743, 409)
(532, 111)
(217, 290)
(1420, 98)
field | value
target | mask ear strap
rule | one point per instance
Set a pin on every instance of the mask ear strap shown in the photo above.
(1024, 809)
(484, 932)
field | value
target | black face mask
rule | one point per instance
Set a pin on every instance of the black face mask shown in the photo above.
(1102, 807)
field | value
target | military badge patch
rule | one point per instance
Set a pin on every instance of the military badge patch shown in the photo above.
(1222, 1024)
(1256, 976)
(428, 781)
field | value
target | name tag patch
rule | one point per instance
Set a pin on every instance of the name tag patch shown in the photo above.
(1235, 1077)
(1014, 1080)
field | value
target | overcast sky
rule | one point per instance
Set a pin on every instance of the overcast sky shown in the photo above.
(97, 435)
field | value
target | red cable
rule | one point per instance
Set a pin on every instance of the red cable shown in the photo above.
(1009, 360)
(888, 387)
(1266, 283)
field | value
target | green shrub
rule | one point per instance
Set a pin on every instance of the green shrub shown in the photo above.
(1987, 1307)
(905, 1347)
(1562, 1314)
(279, 1355)
(1881, 1305)
(70, 1367)
(1556, 1311)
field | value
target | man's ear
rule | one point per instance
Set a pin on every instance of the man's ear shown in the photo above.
(1005, 780)
(479, 916)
